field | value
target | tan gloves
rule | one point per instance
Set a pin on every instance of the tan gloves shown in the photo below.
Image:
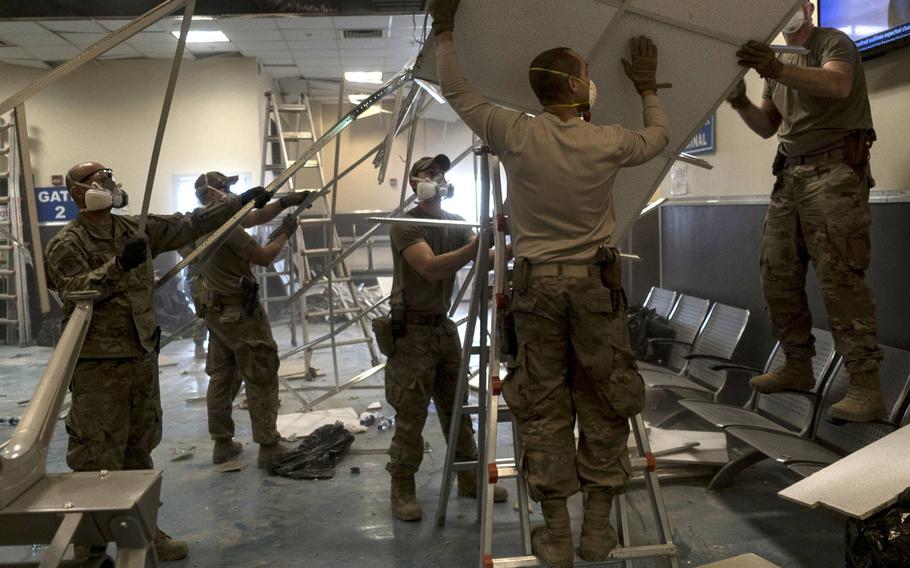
(443, 13)
(642, 70)
(759, 56)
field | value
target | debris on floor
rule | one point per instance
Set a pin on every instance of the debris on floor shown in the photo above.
(231, 466)
(179, 454)
(299, 424)
(374, 405)
(316, 455)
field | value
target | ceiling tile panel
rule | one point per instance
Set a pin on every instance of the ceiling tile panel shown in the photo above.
(215, 47)
(321, 56)
(275, 58)
(281, 71)
(117, 24)
(83, 39)
(305, 22)
(310, 34)
(408, 21)
(362, 43)
(313, 44)
(24, 40)
(53, 52)
(73, 26)
(13, 53)
(21, 28)
(27, 63)
(119, 52)
(254, 35)
(361, 22)
(245, 24)
(254, 46)
(153, 38)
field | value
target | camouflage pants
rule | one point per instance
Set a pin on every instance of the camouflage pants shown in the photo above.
(573, 361)
(424, 368)
(114, 422)
(199, 332)
(241, 351)
(820, 213)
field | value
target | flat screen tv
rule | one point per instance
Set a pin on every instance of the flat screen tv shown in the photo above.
(875, 25)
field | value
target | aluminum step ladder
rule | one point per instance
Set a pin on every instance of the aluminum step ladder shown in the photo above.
(290, 131)
(492, 411)
(14, 311)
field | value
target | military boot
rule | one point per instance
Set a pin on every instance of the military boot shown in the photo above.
(863, 401)
(467, 487)
(225, 449)
(267, 452)
(553, 541)
(404, 499)
(598, 537)
(84, 552)
(795, 374)
(168, 548)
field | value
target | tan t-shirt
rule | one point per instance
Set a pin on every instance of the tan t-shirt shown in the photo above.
(409, 288)
(228, 264)
(560, 174)
(810, 124)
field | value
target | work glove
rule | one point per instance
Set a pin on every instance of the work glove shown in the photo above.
(287, 227)
(759, 56)
(135, 252)
(294, 199)
(443, 14)
(257, 194)
(737, 97)
(642, 70)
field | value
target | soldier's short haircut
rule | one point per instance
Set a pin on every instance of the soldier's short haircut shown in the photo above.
(550, 88)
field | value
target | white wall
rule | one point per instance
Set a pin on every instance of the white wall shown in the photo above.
(742, 163)
(108, 111)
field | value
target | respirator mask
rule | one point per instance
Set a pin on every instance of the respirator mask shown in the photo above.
(103, 194)
(796, 22)
(592, 87)
(428, 189)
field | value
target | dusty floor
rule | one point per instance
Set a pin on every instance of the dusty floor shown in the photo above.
(250, 519)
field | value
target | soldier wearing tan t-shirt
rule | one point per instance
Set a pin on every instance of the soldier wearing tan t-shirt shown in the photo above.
(427, 350)
(818, 106)
(241, 347)
(573, 363)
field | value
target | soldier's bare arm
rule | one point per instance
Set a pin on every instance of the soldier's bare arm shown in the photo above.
(172, 232)
(764, 120)
(834, 80)
(68, 271)
(435, 267)
(264, 255)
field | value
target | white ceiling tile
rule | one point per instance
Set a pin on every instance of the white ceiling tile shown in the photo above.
(305, 22)
(313, 44)
(21, 28)
(117, 24)
(362, 22)
(246, 23)
(281, 71)
(275, 58)
(160, 39)
(14, 53)
(255, 46)
(362, 43)
(361, 53)
(119, 51)
(310, 34)
(408, 21)
(362, 64)
(317, 55)
(215, 47)
(255, 35)
(27, 63)
(45, 38)
(407, 33)
(173, 24)
(72, 26)
(402, 43)
(153, 53)
(53, 52)
(83, 39)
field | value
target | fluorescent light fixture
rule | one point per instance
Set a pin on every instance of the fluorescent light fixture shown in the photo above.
(374, 77)
(203, 18)
(357, 99)
(201, 36)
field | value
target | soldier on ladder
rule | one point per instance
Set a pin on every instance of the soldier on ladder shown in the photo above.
(421, 343)
(573, 359)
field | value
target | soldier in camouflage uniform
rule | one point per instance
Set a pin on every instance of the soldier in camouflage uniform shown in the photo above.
(818, 105)
(573, 364)
(114, 422)
(241, 347)
(425, 354)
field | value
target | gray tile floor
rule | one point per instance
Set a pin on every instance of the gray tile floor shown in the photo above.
(250, 519)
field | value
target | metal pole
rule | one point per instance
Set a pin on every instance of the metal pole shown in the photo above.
(165, 111)
(331, 241)
(406, 178)
(338, 329)
(483, 377)
(28, 182)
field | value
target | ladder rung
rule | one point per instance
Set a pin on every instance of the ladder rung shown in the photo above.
(291, 136)
(290, 107)
(6, 247)
(323, 281)
(280, 168)
(7, 297)
(7, 271)
(619, 553)
(321, 313)
(328, 344)
(314, 221)
(274, 299)
(315, 251)
(4, 321)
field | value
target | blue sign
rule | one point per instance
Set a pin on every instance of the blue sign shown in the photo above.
(703, 141)
(55, 205)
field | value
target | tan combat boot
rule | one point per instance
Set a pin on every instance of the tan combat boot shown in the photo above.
(553, 541)
(467, 487)
(598, 537)
(225, 449)
(863, 401)
(404, 499)
(169, 549)
(795, 374)
(267, 452)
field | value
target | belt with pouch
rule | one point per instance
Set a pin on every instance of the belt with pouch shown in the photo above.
(222, 300)
(424, 319)
(834, 155)
(567, 270)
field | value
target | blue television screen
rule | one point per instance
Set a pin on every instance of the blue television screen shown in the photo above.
(875, 25)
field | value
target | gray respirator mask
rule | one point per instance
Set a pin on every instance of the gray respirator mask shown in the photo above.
(428, 189)
(100, 196)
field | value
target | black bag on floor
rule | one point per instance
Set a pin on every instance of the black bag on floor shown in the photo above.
(882, 540)
(645, 324)
(316, 455)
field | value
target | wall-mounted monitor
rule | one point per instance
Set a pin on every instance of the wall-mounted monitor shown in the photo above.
(875, 25)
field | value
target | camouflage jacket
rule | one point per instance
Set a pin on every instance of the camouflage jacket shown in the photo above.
(83, 256)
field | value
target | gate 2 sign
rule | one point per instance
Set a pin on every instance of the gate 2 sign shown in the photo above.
(55, 206)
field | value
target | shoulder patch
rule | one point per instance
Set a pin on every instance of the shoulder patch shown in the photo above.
(70, 266)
